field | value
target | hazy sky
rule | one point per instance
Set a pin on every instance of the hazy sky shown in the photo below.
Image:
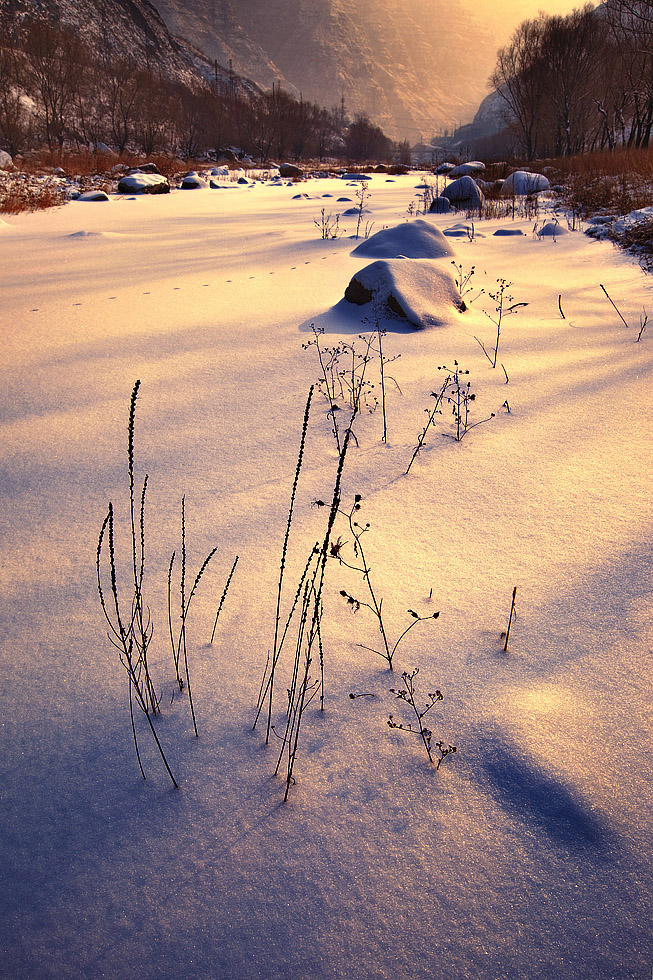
(503, 16)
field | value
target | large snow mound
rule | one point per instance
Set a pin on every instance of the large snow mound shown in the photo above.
(418, 290)
(415, 240)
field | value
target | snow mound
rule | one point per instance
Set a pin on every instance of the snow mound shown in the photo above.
(350, 212)
(461, 230)
(522, 183)
(508, 232)
(551, 230)
(415, 240)
(418, 290)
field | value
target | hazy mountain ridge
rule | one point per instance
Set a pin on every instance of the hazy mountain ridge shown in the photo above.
(412, 69)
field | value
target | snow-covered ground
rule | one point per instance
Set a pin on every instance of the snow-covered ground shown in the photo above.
(527, 854)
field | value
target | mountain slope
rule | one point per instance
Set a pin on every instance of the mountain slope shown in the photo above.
(414, 69)
(120, 29)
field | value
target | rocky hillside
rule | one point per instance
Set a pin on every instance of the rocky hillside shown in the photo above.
(414, 68)
(122, 29)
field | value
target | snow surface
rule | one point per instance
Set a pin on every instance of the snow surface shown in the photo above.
(526, 856)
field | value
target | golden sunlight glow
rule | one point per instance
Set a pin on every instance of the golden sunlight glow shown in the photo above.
(503, 16)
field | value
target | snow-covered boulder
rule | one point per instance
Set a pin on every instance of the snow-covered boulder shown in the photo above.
(93, 196)
(414, 240)
(464, 193)
(352, 177)
(140, 183)
(193, 182)
(290, 170)
(440, 205)
(6, 163)
(467, 169)
(508, 232)
(421, 291)
(521, 182)
(444, 168)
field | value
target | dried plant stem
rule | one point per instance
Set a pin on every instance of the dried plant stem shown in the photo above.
(122, 638)
(179, 646)
(223, 597)
(613, 304)
(437, 409)
(282, 567)
(142, 629)
(512, 612)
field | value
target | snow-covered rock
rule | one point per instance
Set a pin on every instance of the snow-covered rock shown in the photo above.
(140, 183)
(193, 182)
(467, 169)
(464, 193)
(93, 196)
(6, 163)
(290, 170)
(440, 205)
(414, 240)
(521, 183)
(444, 168)
(421, 291)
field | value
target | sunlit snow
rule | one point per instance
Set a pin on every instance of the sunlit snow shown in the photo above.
(526, 856)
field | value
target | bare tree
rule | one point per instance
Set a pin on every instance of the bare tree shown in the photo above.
(14, 118)
(520, 78)
(55, 57)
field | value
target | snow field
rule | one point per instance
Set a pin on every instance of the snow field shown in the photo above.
(528, 853)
